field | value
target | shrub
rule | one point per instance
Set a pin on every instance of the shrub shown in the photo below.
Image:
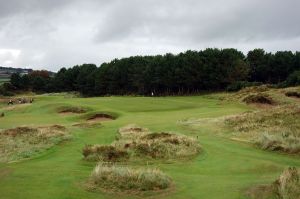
(236, 86)
(293, 79)
(128, 179)
(7, 89)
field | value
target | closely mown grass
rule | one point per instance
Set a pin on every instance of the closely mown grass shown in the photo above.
(276, 129)
(123, 178)
(224, 169)
(287, 186)
(24, 142)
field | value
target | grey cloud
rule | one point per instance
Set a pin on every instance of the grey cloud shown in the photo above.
(56, 33)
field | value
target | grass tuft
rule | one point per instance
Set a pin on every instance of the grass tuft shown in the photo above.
(164, 145)
(287, 186)
(104, 153)
(121, 178)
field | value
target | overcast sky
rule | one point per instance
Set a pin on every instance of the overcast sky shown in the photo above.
(50, 34)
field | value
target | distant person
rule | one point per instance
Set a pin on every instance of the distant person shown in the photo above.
(152, 94)
(10, 102)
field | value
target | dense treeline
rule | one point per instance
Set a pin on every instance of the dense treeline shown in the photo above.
(185, 73)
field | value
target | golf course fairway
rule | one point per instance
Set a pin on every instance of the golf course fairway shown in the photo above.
(224, 169)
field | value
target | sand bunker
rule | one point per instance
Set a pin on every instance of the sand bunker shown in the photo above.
(71, 110)
(87, 125)
(100, 117)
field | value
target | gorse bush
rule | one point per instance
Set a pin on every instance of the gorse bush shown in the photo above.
(124, 178)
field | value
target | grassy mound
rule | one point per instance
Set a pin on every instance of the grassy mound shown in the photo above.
(287, 186)
(71, 109)
(141, 142)
(120, 178)
(104, 153)
(131, 132)
(276, 129)
(287, 143)
(258, 98)
(292, 94)
(134, 141)
(165, 145)
(25, 142)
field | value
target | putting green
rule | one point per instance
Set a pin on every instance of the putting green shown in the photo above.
(224, 170)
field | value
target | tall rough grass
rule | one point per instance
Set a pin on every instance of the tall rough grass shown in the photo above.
(275, 129)
(104, 153)
(134, 141)
(128, 179)
(287, 186)
(25, 142)
(164, 145)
